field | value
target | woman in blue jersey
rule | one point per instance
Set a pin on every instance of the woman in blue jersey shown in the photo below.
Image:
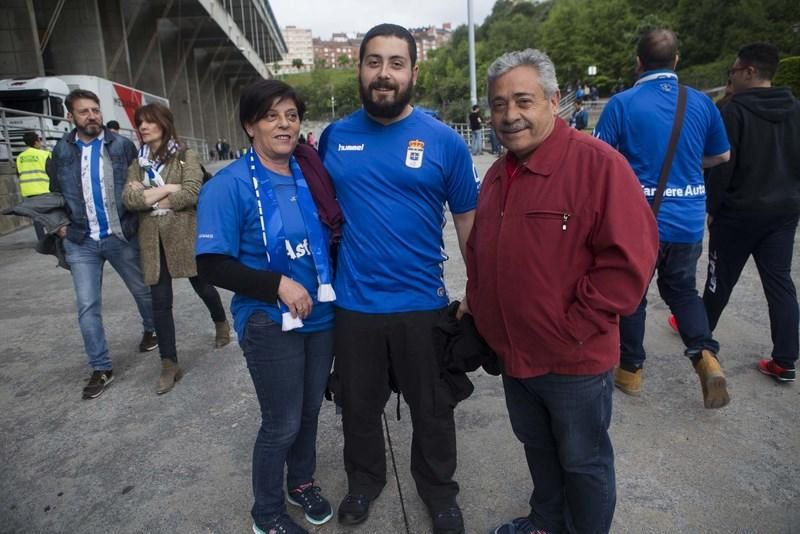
(264, 230)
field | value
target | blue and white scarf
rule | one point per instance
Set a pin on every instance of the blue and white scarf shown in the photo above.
(274, 235)
(152, 169)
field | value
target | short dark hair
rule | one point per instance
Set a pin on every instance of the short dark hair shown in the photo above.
(762, 56)
(77, 94)
(475, 107)
(657, 49)
(112, 125)
(30, 138)
(389, 30)
(257, 99)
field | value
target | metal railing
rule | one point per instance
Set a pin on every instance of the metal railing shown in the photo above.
(566, 106)
(14, 123)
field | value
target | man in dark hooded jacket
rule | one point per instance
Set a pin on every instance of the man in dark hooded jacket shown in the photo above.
(753, 201)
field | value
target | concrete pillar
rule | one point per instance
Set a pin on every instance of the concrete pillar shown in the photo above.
(76, 45)
(19, 41)
(195, 96)
(144, 49)
(177, 81)
(195, 65)
(114, 41)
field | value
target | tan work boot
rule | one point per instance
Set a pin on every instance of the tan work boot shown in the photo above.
(628, 382)
(170, 373)
(712, 380)
(223, 336)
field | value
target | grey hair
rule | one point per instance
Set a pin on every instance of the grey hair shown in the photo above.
(532, 58)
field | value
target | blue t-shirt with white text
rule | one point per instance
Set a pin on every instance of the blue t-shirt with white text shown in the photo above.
(638, 122)
(228, 223)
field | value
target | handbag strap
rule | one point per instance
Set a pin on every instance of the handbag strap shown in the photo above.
(673, 143)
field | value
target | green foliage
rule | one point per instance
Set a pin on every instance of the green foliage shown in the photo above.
(580, 33)
(706, 76)
(317, 87)
(788, 74)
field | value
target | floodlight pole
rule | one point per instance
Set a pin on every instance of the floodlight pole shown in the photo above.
(473, 86)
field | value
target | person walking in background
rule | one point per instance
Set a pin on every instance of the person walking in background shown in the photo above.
(476, 127)
(580, 117)
(32, 172)
(113, 126)
(754, 202)
(563, 243)
(639, 123)
(311, 140)
(163, 184)
(394, 168)
(265, 226)
(89, 167)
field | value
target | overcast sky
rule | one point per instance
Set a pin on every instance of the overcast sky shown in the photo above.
(324, 17)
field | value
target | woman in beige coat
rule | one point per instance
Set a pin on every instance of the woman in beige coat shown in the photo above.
(163, 185)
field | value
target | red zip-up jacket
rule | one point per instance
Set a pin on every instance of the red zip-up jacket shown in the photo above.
(556, 256)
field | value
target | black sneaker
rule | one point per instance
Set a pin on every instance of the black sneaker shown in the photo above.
(354, 509)
(283, 524)
(448, 521)
(98, 383)
(317, 509)
(149, 342)
(520, 525)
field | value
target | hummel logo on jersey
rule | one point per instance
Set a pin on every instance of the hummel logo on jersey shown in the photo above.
(351, 148)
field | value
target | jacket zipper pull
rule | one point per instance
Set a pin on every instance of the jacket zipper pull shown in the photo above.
(564, 219)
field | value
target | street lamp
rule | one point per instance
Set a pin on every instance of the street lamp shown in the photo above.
(333, 107)
(473, 85)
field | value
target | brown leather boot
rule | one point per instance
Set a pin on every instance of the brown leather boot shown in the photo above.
(223, 334)
(628, 382)
(712, 380)
(170, 373)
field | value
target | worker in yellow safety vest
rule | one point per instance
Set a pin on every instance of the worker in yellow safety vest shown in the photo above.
(33, 179)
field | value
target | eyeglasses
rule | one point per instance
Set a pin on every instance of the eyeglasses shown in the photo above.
(733, 70)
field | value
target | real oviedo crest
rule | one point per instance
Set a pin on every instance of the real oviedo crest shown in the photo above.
(416, 149)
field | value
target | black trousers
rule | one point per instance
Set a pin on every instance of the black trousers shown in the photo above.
(162, 307)
(369, 349)
(770, 240)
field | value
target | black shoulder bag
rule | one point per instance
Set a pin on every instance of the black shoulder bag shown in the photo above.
(673, 143)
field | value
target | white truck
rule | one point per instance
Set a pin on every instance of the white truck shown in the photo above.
(38, 104)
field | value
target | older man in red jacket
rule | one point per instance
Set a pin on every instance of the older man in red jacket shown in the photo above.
(563, 243)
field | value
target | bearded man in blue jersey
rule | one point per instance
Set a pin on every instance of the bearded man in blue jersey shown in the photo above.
(394, 168)
(639, 123)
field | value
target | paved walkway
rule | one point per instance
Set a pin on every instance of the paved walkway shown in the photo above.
(132, 461)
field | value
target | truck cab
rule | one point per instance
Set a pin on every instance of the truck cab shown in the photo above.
(31, 104)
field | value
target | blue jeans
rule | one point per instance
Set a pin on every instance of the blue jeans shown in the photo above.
(676, 267)
(290, 372)
(563, 423)
(86, 262)
(477, 142)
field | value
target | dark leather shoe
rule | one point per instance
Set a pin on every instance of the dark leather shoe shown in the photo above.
(354, 509)
(448, 520)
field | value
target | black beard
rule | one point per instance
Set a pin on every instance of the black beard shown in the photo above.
(385, 110)
(85, 129)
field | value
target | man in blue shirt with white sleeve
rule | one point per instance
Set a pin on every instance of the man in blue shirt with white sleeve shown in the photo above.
(394, 168)
(638, 122)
